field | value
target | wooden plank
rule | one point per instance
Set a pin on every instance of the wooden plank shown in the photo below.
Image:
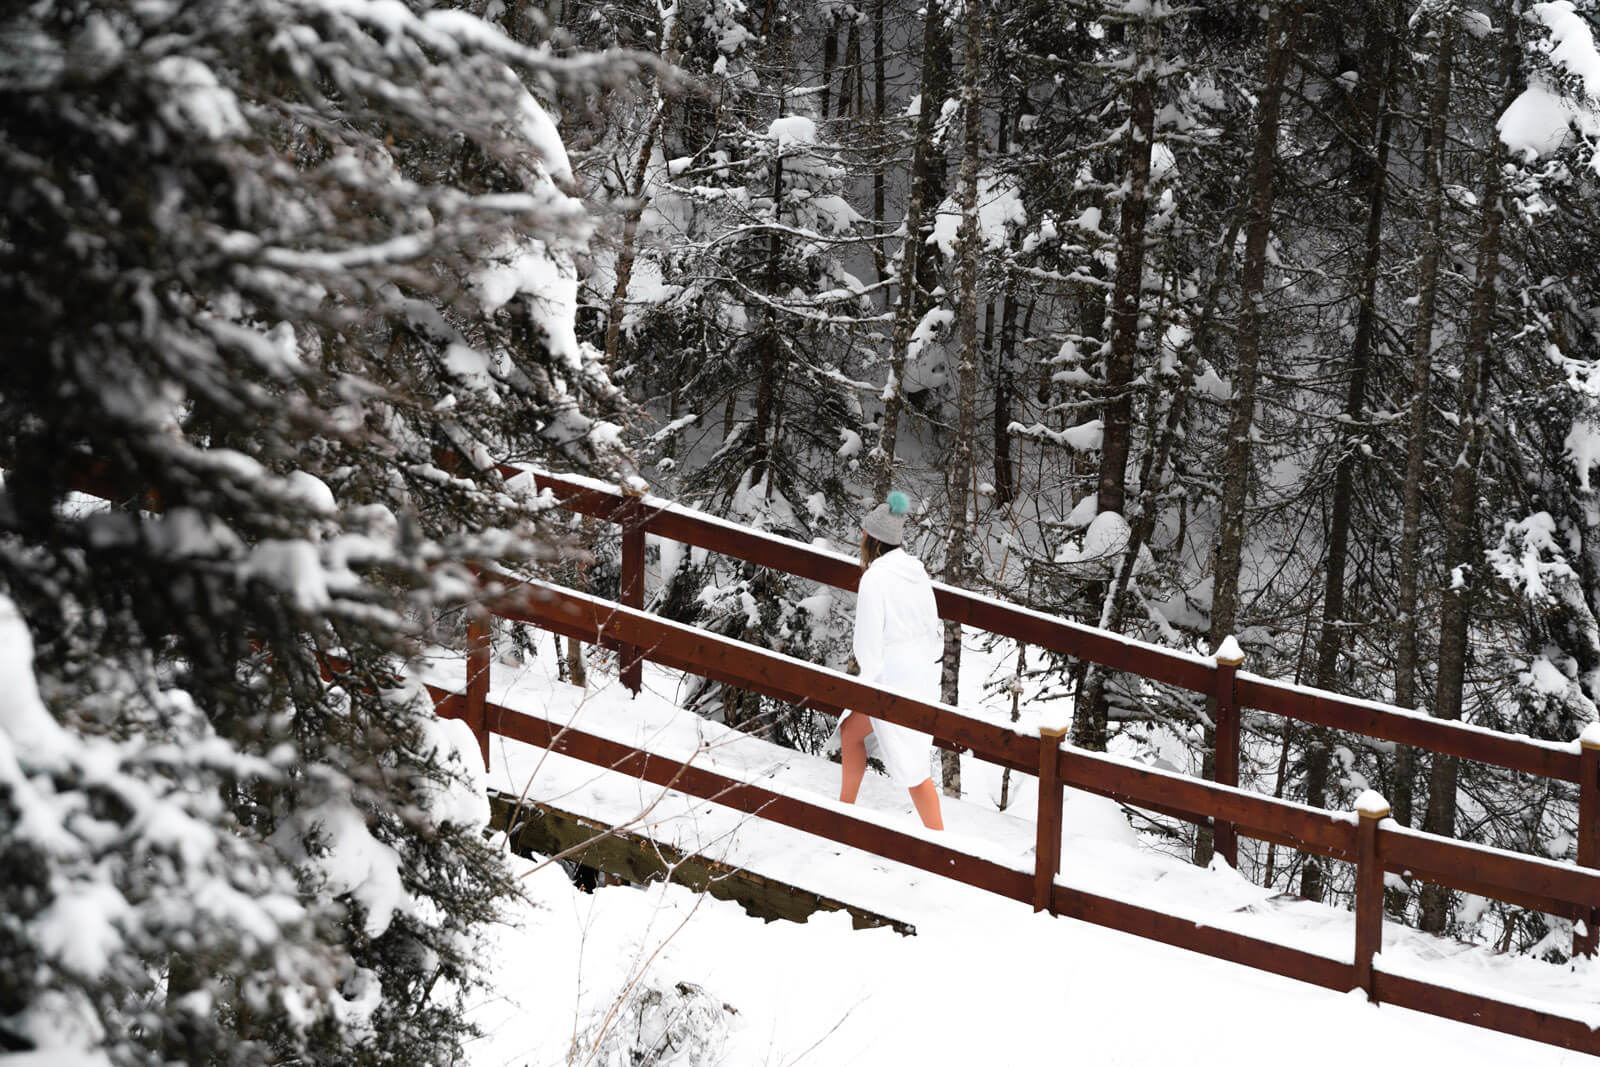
(479, 660)
(1262, 817)
(1556, 888)
(1085, 642)
(1207, 940)
(725, 660)
(1225, 837)
(541, 829)
(766, 550)
(1470, 1008)
(632, 588)
(1436, 735)
(956, 605)
(1307, 829)
(1585, 941)
(1047, 821)
(775, 807)
(1369, 900)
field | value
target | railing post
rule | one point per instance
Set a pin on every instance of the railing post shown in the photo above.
(1224, 838)
(478, 658)
(1371, 809)
(632, 586)
(1588, 826)
(1047, 845)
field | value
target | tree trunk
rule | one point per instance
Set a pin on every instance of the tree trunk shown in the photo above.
(1383, 40)
(880, 254)
(1282, 30)
(962, 496)
(910, 248)
(1089, 725)
(1461, 529)
(1005, 387)
(630, 224)
(576, 674)
(1405, 673)
(764, 444)
(1127, 289)
(830, 56)
(850, 83)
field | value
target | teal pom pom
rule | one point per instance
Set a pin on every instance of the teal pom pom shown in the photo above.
(899, 503)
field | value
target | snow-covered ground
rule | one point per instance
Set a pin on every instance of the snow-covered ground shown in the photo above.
(984, 980)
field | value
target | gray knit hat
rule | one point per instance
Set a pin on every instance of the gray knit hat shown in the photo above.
(887, 521)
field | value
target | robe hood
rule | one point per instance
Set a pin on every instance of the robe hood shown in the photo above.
(899, 566)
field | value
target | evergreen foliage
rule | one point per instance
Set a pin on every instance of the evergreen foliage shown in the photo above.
(264, 266)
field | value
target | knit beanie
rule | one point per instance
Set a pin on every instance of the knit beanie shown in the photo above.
(887, 521)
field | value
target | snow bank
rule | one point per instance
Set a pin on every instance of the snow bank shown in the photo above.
(999, 208)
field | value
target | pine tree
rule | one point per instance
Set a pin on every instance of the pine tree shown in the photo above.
(263, 264)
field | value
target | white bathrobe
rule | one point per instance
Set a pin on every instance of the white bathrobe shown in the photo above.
(898, 643)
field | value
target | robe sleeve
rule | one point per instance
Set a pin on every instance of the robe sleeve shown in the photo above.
(868, 641)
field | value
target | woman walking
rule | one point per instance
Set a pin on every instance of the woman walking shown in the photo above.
(898, 644)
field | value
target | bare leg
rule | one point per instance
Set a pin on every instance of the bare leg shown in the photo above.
(853, 755)
(926, 798)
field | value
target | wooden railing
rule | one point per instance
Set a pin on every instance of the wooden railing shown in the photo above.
(1233, 689)
(1365, 838)
(1374, 844)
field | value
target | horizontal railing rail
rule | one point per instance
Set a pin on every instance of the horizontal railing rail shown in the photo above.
(1492, 872)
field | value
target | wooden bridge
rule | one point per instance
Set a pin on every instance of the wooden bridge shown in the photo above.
(1375, 845)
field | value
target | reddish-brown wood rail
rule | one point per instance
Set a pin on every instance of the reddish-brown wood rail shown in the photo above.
(1559, 888)
(1374, 844)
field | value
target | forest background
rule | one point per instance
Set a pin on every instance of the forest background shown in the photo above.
(1278, 322)
(1186, 321)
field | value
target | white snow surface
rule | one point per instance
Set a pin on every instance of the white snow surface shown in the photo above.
(999, 210)
(526, 266)
(1539, 119)
(626, 967)
(201, 102)
(1536, 123)
(1572, 43)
